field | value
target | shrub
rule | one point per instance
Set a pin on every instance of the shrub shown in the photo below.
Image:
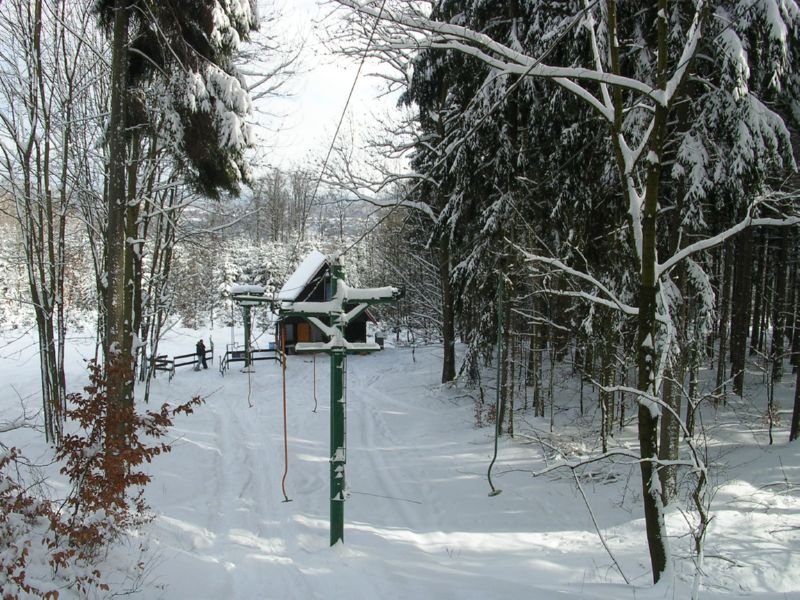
(102, 461)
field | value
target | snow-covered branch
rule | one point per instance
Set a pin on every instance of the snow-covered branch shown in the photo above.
(370, 192)
(435, 34)
(598, 59)
(689, 51)
(612, 299)
(718, 239)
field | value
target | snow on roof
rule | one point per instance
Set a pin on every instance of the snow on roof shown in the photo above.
(302, 276)
(246, 288)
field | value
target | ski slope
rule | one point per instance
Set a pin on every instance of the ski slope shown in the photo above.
(419, 522)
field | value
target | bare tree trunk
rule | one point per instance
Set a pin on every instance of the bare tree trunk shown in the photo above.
(694, 386)
(779, 307)
(551, 391)
(135, 233)
(741, 297)
(623, 379)
(649, 412)
(607, 378)
(668, 450)
(673, 389)
(794, 430)
(505, 308)
(160, 269)
(448, 314)
(117, 293)
(511, 387)
(761, 246)
(724, 316)
(38, 120)
(795, 300)
(535, 371)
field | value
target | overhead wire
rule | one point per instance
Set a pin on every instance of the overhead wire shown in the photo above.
(472, 130)
(347, 102)
(313, 197)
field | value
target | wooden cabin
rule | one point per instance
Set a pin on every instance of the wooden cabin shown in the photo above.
(311, 282)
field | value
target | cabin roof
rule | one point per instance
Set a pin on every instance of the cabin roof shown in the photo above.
(302, 276)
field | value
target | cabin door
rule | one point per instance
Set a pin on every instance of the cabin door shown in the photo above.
(303, 332)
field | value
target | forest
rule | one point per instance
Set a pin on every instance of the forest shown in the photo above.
(600, 188)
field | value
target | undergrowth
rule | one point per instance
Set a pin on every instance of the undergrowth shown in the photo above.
(49, 546)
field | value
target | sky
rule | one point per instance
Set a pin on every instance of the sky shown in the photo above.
(302, 126)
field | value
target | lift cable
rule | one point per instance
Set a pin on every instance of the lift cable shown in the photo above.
(347, 102)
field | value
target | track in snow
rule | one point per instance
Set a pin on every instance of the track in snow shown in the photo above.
(418, 521)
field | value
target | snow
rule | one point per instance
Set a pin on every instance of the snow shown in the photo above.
(244, 288)
(250, 294)
(736, 54)
(336, 343)
(419, 522)
(298, 280)
(364, 294)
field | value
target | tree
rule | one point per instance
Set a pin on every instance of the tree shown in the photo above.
(636, 80)
(186, 53)
(46, 59)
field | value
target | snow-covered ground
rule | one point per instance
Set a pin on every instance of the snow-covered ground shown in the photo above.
(419, 522)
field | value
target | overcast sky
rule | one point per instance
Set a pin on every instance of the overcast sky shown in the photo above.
(303, 126)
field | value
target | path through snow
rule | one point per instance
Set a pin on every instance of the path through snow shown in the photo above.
(418, 520)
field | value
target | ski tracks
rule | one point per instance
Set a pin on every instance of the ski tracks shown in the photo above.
(393, 458)
(251, 531)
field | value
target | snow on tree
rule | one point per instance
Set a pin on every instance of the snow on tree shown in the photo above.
(684, 95)
(184, 52)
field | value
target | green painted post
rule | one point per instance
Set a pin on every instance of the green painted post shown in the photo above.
(338, 448)
(338, 433)
(338, 350)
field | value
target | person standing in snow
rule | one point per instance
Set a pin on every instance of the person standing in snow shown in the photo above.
(201, 355)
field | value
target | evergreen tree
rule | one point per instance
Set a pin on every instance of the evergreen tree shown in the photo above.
(686, 131)
(184, 50)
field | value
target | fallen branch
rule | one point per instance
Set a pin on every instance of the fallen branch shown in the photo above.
(597, 528)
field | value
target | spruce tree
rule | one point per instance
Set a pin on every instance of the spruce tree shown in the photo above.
(692, 98)
(184, 50)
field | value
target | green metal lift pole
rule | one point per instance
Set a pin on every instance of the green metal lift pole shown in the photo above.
(338, 447)
(349, 305)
